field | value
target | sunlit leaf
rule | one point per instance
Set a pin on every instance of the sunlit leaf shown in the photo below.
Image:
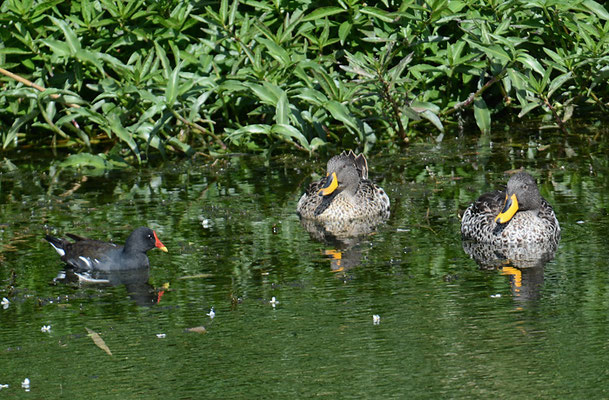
(343, 31)
(282, 111)
(378, 13)
(433, 118)
(596, 8)
(527, 108)
(71, 39)
(558, 82)
(290, 132)
(341, 113)
(531, 63)
(323, 12)
(482, 115)
(171, 90)
(276, 51)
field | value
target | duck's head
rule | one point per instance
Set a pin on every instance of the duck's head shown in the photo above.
(521, 194)
(343, 174)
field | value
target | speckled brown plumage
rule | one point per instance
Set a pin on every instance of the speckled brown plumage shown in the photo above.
(534, 222)
(356, 197)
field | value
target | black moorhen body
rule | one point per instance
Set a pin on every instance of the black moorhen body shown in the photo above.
(89, 254)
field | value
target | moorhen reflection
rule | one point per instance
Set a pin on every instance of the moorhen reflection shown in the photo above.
(134, 280)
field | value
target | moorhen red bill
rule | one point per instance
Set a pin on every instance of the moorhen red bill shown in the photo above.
(90, 254)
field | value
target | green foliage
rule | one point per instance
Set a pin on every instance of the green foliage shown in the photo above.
(176, 77)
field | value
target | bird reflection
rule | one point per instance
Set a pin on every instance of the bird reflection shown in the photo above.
(524, 264)
(343, 238)
(135, 281)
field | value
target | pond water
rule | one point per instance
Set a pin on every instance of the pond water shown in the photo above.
(449, 327)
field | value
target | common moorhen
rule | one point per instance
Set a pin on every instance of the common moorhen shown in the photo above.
(89, 254)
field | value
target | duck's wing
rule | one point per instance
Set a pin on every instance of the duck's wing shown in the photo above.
(489, 204)
(362, 166)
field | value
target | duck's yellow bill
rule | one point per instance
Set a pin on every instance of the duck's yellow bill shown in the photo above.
(330, 186)
(509, 209)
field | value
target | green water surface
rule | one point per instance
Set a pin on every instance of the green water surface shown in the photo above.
(448, 328)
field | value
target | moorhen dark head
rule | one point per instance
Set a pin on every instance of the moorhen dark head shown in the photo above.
(90, 254)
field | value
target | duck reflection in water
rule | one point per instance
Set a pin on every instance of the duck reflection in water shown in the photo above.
(344, 252)
(523, 264)
(343, 207)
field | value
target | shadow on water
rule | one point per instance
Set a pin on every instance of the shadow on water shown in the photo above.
(455, 321)
(135, 282)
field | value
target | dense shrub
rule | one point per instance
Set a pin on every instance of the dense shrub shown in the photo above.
(123, 78)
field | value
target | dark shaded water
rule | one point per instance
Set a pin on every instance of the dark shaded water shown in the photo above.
(448, 328)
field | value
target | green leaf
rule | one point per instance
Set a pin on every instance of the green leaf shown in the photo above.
(378, 13)
(256, 129)
(276, 51)
(71, 38)
(123, 134)
(312, 96)
(597, 9)
(558, 82)
(60, 49)
(171, 90)
(433, 118)
(84, 160)
(531, 63)
(421, 106)
(223, 14)
(86, 56)
(526, 108)
(282, 111)
(493, 51)
(343, 31)
(322, 13)
(265, 94)
(482, 115)
(340, 112)
(289, 131)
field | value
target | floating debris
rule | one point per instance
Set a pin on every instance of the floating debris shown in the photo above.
(99, 342)
(161, 335)
(197, 329)
(376, 319)
(495, 296)
(580, 222)
(26, 384)
(46, 328)
(211, 314)
(273, 302)
(5, 303)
